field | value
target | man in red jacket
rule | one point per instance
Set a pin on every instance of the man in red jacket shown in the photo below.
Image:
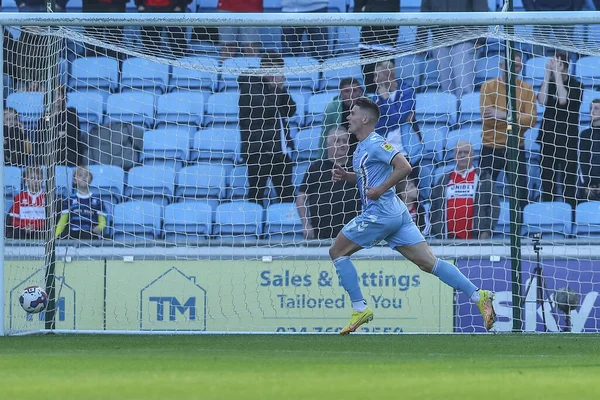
(110, 34)
(175, 35)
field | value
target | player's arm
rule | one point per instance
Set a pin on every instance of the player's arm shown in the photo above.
(340, 174)
(401, 169)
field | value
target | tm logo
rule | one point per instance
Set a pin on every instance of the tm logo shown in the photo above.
(174, 305)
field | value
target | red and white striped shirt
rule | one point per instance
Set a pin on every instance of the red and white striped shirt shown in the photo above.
(460, 203)
(29, 211)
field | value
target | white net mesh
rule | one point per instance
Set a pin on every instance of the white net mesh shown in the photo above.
(203, 200)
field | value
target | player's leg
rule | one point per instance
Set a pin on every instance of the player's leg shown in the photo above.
(340, 253)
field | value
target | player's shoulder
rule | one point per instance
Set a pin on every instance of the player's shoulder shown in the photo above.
(377, 142)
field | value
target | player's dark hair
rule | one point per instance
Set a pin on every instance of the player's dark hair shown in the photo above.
(365, 104)
(348, 82)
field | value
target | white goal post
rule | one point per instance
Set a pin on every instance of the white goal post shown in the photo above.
(174, 209)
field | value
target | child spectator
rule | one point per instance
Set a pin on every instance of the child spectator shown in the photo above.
(83, 214)
(27, 216)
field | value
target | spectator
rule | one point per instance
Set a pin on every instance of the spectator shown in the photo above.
(463, 205)
(456, 63)
(82, 216)
(337, 111)
(331, 204)
(561, 94)
(107, 34)
(39, 5)
(396, 104)
(16, 146)
(27, 216)
(151, 35)
(234, 38)
(562, 33)
(373, 38)
(62, 126)
(493, 104)
(316, 37)
(589, 151)
(408, 192)
(264, 107)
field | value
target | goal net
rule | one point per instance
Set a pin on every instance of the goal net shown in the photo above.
(167, 179)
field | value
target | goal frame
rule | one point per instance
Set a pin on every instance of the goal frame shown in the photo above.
(499, 20)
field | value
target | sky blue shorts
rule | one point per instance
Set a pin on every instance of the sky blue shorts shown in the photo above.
(368, 230)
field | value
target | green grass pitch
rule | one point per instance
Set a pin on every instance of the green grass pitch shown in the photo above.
(503, 366)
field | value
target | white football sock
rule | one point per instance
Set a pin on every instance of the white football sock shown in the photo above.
(359, 306)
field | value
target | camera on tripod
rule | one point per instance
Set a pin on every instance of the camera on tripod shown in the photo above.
(536, 239)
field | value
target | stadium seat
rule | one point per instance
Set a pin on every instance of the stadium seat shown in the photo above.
(315, 110)
(336, 6)
(303, 75)
(219, 145)
(12, 181)
(137, 221)
(431, 76)
(150, 183)
(587, 219)
(298, 171)
(551, 218)
(201, 181)
(180, 108)
(272, 5)
(436, 108)
(132, 107)
(298, 118)
(409, 70)
(534, 71)
(29, 105)
(283, 221)
(144, 74)
(334, 71)
(469, 108)
(307, 143)
(530, 143)
(222, 110)
(584, 114)
(96, 73)
(410, 6)
(207, 5)
(239, 218)
(502, 227)
(434, 142)
(487, 68)
(586, 70)
(189, 220)
(346, 39)
(237, 186)
(407, 36)
(232, 68)
(108, 182)
(167, 144)
(189, 76)
(270, 37)
(89, 106)
(63, 71)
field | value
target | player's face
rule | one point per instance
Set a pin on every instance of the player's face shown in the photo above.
(355, 119)
(595, 112)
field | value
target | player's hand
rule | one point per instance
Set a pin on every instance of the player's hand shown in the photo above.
(374, 193)
(339, 174)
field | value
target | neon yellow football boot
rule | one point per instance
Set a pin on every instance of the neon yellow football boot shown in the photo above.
(356, 320)
(486, 308)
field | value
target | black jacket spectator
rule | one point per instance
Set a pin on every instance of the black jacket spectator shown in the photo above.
(589, 154)
(553, 5)
(151, 35)
(16, 145)
(108, 34)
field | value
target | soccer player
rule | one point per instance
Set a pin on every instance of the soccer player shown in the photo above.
(83, 213)
(378, 168)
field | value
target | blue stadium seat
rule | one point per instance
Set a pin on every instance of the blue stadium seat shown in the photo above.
(89, 106)
(189, 220)
(74, 6)
(29, 105)
(99, 73)
(237, 186)
(551, 218)
(502, 227)
(443, 169)
(434, 142)
(151, 183)
(337, 6)
(133, 107)
(297, 119)
(346, 39)
(167, 144)
(307, 143)
(469, 108)
(334, 71)
(487, 68)
(144, 74)
(431, 75)
(437, 108)
(303, 74)
(217, 145)
(586, 70)
(12, 182)
(412, 144)
(222, 110)
(108, 182)
(298, 171)
(137, 221)
(270, 37)
(188, 76)
(201, 181)
(587, 219)
(315, 110)
(180, 108)
(239, 218)
(283, 221)
(409, 70)
(272, 5)
(232, 68)
(207, 5)
(410, 6)
(584, 114)
(63, 71)
(407, 36)
(534, 71)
